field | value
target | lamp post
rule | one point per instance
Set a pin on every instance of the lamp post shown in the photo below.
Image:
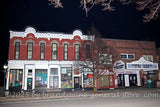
(5, 70)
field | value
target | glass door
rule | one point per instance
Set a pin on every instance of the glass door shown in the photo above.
(76, 82)
(29, 83)
(121, 80)
(133, 79)
(54, 78)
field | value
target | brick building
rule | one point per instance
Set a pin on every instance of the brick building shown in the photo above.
(46, 60)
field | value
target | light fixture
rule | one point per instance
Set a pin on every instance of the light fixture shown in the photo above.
(5, 66)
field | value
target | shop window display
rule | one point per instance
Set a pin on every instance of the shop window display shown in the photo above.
(15, 78)
(41, 77)
(66, 77)
(87, 79)
(104, 82)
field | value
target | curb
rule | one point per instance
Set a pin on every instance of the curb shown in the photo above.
(62, 95)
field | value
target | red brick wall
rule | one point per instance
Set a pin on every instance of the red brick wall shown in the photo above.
(138, 48)
(48, 48)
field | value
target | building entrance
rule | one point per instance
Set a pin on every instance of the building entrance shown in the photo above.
(29, 83)
(129, 79)
(76, 82)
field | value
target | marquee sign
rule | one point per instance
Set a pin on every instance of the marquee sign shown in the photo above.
(119, 65)
(142, 64)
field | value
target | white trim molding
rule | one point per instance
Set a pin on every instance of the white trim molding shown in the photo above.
(50, 35)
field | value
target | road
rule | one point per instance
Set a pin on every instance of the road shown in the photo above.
(88, 102)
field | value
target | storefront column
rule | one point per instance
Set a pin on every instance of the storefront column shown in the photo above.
(159, 75)
(48, 77)
(33, 79)
(138, 78)
(7, 80)
(59, 75)
(82, 79)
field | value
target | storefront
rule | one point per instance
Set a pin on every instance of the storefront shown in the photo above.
(127, 78)
(40, 78)
(77, 78)
(106, 80)
(87, 79)
(37, 75)
(148, 70)
(135, 73)
(66, 77)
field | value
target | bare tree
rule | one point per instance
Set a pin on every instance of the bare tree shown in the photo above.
(98, 58)
(153, 6)
(56, 3)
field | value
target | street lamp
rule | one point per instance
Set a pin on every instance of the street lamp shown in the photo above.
(5, 70)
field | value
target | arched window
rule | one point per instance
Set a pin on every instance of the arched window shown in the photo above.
(17, 49)
(29, 50)
(54, 51)
(65, 45)
(54, 45)
(42, 49)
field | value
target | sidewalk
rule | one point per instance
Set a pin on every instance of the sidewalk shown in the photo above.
(80, 93)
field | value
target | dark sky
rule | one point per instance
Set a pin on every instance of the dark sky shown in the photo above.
(123, 23)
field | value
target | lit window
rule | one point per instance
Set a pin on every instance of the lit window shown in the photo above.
(54, 51)
(77, 52)
(15, 78)
(66, 77)
(17, 49)
(29, 50)
(42, 50)
(65, 51)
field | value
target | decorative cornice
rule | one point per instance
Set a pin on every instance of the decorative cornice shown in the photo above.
(50, 35)
(38, 62)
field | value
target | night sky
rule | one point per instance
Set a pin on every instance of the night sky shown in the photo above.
(123, 23)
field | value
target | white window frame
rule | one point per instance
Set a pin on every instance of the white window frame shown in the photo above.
(127, 56)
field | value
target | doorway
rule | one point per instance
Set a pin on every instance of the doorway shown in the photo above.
(76, 82)
(133, 79)
(29, 83)
(121, 82)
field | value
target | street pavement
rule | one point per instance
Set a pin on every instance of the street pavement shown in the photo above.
(138, 92)
(126, 101)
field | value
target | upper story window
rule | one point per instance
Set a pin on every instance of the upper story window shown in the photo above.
(77, 51)
(105, 59)
(127, 56)
(29, 50)
(65, 51)
(148, 57)
(87, 51)
(54, 51)
(42, 50)
(17, 49)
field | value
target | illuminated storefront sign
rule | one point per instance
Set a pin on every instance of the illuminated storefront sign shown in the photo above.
(142, 66)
